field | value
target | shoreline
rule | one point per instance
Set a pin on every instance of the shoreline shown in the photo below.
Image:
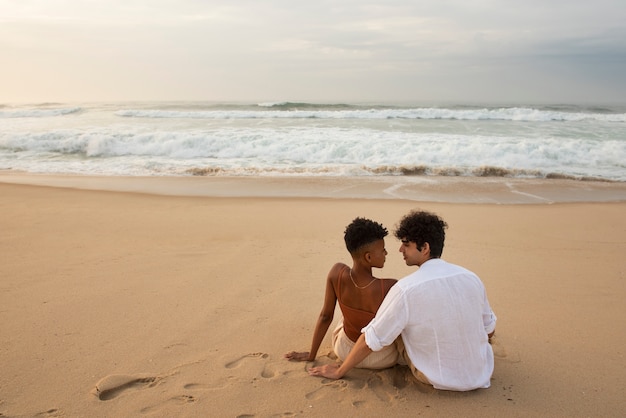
(442, 189)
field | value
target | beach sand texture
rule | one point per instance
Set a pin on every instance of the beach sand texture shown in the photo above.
(120, 304)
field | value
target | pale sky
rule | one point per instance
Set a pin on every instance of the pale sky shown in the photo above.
(324, 51)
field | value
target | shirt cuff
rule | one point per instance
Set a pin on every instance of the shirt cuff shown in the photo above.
(491, 326)
(372, 341)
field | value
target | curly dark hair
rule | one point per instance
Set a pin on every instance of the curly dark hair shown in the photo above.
(421, 227)
(362, 231)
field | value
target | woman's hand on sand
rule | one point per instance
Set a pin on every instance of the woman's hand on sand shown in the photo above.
(330, 371)
(298, 356)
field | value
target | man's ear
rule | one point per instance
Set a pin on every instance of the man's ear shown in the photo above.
(425, 249)
(368, 257)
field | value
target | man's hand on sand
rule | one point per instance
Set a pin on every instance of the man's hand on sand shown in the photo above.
(297, 356)
(330, 371)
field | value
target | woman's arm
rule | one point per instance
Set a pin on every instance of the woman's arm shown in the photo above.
(324, 320)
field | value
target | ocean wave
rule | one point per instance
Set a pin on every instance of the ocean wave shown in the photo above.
(287, 110)
(555, 141)
(306, 106)
(38, 112)
(318, 151)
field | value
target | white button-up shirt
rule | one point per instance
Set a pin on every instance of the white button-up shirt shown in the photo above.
(444, 317)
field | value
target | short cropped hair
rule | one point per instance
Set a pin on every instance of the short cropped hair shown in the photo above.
(361, 232)
(421, 227)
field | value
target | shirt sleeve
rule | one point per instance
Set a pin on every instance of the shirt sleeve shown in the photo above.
(389, 321)
(489, 318)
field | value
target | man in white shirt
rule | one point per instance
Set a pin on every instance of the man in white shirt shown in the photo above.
(441, 313)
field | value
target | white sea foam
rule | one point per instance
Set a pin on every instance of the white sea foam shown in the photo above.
(37, 112)
(511, 114)
(317, 140)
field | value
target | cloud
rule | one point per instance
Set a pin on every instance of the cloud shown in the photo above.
(192, 49)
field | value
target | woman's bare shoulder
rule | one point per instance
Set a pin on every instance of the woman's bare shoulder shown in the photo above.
(335, 270)
(338, 266)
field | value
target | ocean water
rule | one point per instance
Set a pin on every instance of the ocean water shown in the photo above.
(305, 139)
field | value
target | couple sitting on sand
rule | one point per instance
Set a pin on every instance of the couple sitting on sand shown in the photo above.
(436, 320)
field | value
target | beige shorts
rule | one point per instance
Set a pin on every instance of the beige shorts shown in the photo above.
(403, 359)
(387, 357)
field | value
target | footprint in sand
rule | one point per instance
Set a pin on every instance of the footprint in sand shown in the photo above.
(114, 385)
(269, 372)
(179, 400)
(501, 353)
(327, 386)
(205, 387)
(284, 414)
(383, 392)
(266, 372)
(237, 362)
(49, 413)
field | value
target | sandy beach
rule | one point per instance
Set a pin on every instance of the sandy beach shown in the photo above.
(132, 301)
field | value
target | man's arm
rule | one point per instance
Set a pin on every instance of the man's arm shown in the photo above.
(334, 371)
